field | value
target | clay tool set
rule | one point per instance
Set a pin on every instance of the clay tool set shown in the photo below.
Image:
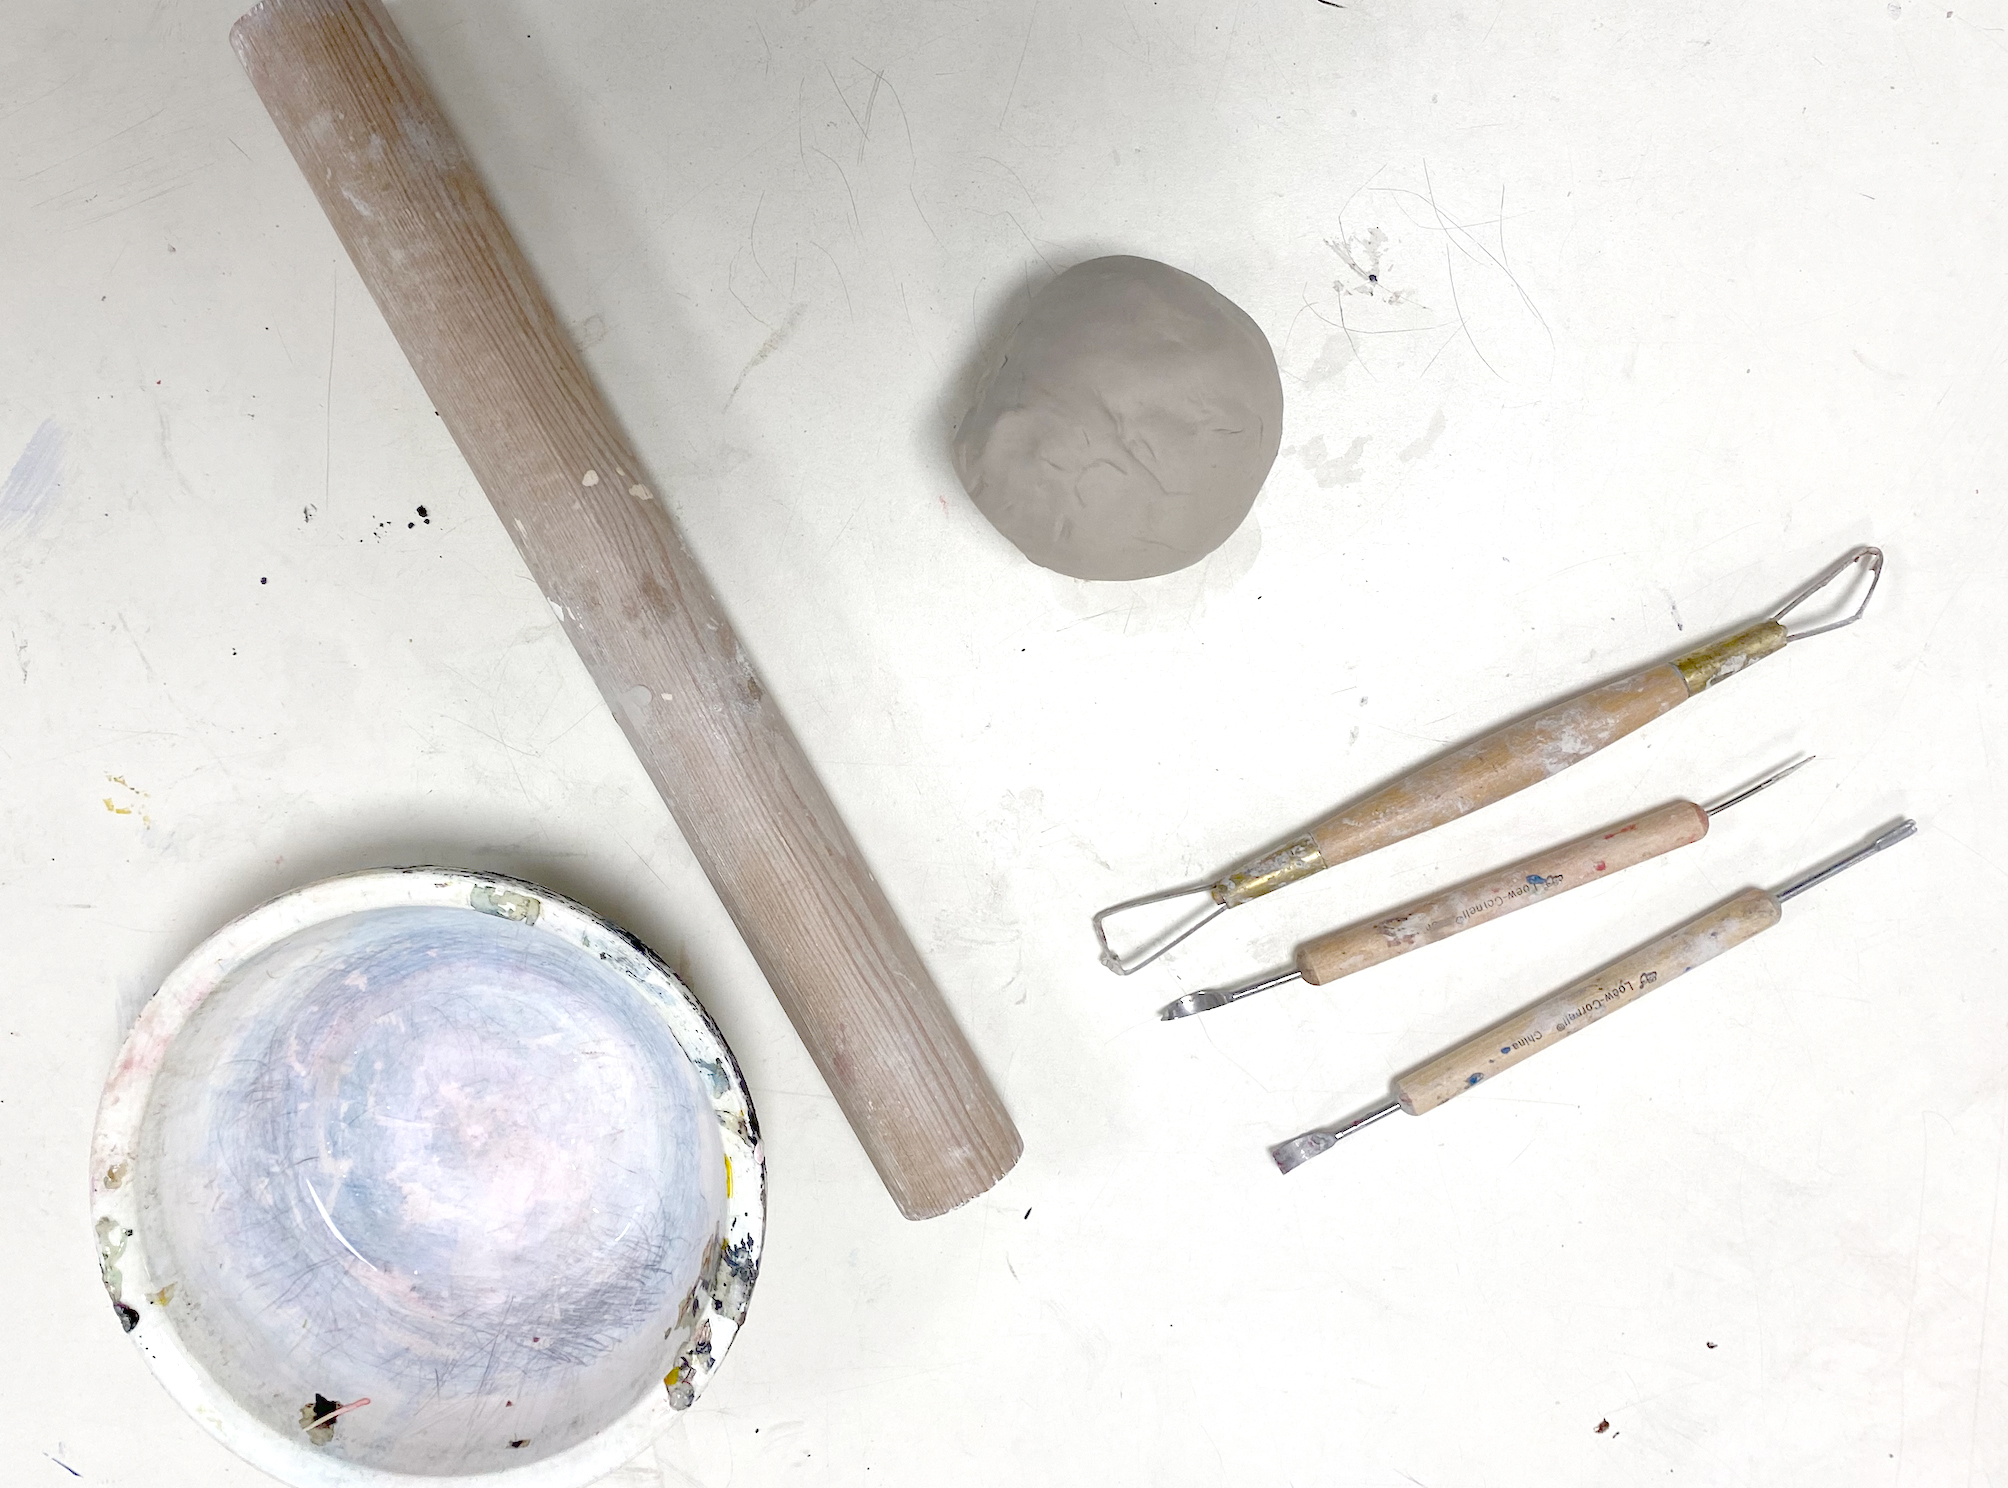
(1491, 768)
(1497, 765)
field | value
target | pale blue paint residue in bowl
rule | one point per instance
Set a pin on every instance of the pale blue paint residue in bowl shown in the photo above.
(439, 1159)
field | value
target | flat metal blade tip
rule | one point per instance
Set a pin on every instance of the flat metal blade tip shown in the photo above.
(1192, 1002)
(1300, 1150)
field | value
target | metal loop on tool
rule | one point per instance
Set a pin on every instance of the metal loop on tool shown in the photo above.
(1872, 558)
(1122, 967)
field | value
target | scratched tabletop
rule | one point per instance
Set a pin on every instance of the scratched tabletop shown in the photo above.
(1601, 329)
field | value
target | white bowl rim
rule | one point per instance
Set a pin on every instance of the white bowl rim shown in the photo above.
(135, 1290)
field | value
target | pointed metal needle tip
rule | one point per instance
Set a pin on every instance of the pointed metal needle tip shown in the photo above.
(1763, 785)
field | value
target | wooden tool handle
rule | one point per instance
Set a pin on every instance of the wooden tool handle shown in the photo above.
(1575, 1007)
(1502, 762)
(460, 298)
(1542, 876)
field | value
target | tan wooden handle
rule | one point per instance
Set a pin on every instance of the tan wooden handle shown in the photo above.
(463, 303)
(1493, 895)
(1575, 1007)
(1507, 760)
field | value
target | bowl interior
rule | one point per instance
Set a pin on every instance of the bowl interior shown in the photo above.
(441, 1160)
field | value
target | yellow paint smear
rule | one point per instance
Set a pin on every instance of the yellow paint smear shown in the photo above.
(115, 810)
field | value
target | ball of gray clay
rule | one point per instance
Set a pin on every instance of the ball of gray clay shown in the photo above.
(1133, 415)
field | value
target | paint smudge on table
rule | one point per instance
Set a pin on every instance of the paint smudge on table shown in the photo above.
(29, 492)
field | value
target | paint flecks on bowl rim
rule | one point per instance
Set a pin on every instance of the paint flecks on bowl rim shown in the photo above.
(428, 1176)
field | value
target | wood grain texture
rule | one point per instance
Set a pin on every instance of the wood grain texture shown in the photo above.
(1493, 895)
(1582, 1003)
(1506, 760)
(408, 205)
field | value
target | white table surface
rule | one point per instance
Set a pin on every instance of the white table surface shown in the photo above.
(1674, 304)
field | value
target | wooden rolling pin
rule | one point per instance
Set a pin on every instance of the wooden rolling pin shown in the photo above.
(406, 202)
(1491, 768)
(1488, 897)
(1556, 1017)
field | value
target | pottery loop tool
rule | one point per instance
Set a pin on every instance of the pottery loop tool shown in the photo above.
(1488, 897)
(405, 198)
(1491, 768)
(1574, 1008)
